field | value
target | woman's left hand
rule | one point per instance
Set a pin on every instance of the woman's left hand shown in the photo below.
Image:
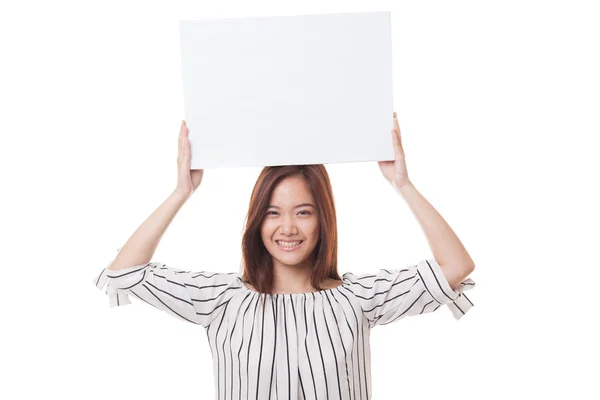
(395, 171)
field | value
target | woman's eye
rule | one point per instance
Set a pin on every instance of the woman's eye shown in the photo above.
(275, 212)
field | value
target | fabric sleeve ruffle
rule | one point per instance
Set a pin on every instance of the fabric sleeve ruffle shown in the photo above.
(195, 297)
(389, 295)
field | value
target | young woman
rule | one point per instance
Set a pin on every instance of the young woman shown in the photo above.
(288, 326)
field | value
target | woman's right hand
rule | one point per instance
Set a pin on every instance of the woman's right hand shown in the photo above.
(187, 180)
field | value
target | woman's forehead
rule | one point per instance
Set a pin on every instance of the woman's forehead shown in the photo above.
(291, 189)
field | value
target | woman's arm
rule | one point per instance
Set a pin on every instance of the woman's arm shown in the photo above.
(447, 248)
(141, 246)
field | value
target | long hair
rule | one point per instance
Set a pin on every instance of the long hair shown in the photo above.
(257, 262)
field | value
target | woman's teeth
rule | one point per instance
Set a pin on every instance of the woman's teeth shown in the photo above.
(289, 245)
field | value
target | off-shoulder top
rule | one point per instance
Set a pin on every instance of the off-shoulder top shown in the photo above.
(309, 346)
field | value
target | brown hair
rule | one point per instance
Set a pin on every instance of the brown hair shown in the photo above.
(257, 262)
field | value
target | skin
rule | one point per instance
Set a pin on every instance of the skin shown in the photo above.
(188, 179)
(285, 221)
(395, 172)
(448, 251)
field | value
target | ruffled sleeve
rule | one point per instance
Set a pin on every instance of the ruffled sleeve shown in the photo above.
(389, 295)
(194, 297)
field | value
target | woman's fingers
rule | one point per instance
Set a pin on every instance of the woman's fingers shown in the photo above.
(396, 141)
(186, 143)
(396, 126)
(182, 145)
(396, 136)
(180, 140)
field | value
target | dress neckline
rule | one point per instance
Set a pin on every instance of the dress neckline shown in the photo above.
(246, 288)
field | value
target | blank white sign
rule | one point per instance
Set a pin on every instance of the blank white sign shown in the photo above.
(311, 89)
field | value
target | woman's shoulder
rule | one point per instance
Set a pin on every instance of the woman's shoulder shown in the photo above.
(330, 283)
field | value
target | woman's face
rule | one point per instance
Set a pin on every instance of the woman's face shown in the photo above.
(291, 217)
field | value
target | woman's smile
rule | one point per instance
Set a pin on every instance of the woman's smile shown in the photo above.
(289, 246)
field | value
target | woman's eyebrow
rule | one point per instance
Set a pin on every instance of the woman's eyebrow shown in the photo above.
(298, 206)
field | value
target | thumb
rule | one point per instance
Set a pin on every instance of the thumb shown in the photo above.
(397, 141)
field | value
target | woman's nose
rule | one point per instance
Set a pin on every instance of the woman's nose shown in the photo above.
(288, 225)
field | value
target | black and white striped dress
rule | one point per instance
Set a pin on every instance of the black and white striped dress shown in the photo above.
(299, 346)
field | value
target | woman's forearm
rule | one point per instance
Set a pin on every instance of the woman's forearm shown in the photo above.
(141, 246)
(446, 247)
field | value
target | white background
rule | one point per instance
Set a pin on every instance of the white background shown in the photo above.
(498, 107)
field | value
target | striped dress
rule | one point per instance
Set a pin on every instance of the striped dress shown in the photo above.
(306, 346)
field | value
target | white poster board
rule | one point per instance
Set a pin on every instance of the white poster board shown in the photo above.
(311, 89)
